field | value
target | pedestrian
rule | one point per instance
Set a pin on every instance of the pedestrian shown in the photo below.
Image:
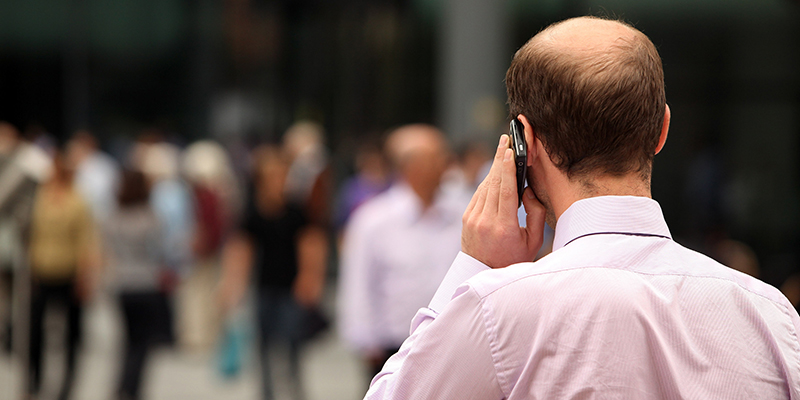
(618, 309)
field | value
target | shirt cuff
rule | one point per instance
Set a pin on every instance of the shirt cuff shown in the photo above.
(463, 268)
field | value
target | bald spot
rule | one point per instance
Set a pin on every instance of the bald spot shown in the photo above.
(587, 35)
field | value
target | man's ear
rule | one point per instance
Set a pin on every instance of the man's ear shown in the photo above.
(664, 129)
(530, 138)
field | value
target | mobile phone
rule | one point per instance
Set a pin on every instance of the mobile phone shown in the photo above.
(517, 143)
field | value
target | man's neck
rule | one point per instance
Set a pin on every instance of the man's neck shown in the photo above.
(576, 189)
(628, 185)
(425, 193)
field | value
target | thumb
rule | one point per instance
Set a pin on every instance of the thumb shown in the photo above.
(534, 221)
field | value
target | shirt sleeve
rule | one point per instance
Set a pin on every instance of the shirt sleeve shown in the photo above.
(447, 356)
(463, 268)
(357, 288)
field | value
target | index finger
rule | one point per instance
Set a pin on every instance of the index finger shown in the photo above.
(494, 179)
(508, 197)
(479, 198)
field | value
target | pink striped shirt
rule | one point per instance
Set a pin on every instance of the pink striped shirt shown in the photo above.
(617, 311)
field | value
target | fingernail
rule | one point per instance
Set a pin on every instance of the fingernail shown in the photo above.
(508, 154)
(503, 141)
(529, 193)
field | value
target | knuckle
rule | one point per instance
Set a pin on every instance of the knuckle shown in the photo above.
(466, 219)
(483, 226)
(507, 191)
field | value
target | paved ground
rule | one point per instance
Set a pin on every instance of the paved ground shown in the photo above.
(330, 371)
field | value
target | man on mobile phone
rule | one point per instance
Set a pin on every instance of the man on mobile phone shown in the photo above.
(618, 309)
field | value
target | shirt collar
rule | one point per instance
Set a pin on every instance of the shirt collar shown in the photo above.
(627, 215)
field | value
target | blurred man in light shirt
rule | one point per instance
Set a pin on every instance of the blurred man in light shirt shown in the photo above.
(398, 245)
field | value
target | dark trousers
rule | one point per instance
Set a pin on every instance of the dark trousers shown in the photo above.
(147, 319)
(43, 295)
(7, 289)
(280, 319)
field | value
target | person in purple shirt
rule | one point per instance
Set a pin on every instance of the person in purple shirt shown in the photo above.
(618, 310)
(372, 177)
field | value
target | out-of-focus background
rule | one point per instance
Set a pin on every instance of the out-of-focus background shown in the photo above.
(187, 93)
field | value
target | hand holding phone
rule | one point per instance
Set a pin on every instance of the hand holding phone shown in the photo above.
(517, 143)
(490, 232)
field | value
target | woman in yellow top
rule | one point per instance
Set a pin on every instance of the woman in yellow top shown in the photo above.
(62, 250)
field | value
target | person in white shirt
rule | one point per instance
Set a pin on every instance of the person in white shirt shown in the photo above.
(97, 174)
(398, 245)
(618, 310)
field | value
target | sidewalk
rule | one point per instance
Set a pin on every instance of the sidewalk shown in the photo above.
(330, 371)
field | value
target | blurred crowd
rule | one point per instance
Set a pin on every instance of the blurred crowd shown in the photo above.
(183, 237)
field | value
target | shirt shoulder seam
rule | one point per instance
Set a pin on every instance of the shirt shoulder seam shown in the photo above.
(488, 293)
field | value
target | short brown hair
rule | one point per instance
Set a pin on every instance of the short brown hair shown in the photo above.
(595, 114)
(134, 190)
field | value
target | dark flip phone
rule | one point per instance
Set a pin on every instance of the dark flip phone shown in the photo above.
(517, 142)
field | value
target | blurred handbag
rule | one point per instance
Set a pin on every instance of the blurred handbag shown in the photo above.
(314, 323)
(233, 346)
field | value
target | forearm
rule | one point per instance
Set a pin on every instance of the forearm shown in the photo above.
(312, 259)
(237, 260)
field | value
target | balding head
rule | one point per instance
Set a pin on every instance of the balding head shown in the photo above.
(593, 91)
(420, 155)
(586, 34)
(407, 143)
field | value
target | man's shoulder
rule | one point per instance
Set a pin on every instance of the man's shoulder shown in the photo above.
(620, 264)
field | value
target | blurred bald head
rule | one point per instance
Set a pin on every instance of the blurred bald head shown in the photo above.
(409, 142)
(420, 154)
(593, 91)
